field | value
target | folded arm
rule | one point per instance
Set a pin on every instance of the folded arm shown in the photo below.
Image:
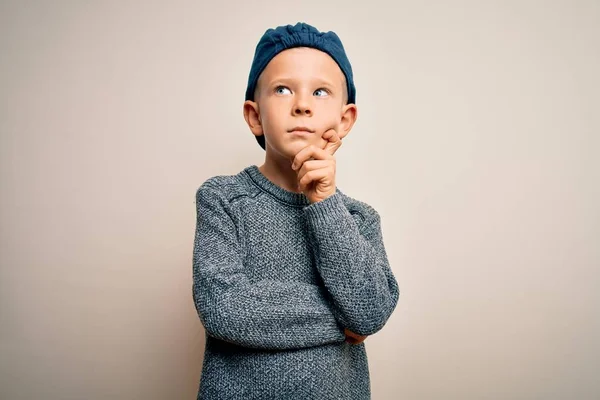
(352, 261)
(267, 314)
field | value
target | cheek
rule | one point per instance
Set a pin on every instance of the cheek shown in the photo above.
(333, 111)
(332, 119)
(272, 114)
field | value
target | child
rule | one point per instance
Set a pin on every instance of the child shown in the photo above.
(290, 275)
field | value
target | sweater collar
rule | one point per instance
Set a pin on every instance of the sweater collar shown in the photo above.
(274, 190)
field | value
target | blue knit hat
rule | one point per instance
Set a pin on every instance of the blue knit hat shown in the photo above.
(274, 41)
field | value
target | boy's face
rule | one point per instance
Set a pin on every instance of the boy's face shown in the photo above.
(300, 87)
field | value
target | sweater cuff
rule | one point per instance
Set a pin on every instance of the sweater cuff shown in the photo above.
(332, 207)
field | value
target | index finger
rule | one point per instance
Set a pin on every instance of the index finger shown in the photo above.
(333, 141)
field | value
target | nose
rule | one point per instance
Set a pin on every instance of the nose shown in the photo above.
(302, 110)
(302, 107)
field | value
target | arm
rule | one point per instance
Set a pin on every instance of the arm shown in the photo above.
(352, 261)
(267, 314)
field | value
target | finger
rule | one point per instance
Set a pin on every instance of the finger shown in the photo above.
(313, 175)
(353, 334)
(351, 340)
(333, 141)
(309, 167)
(308, 152)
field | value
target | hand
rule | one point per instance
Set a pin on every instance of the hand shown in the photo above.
(316, 168)
(353, 338)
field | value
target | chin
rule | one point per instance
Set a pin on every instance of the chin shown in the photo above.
(288, 145)
(289, 150)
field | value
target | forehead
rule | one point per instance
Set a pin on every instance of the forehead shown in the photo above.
(303, 63)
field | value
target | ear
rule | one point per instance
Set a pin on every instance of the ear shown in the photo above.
(252, 117)
(348, 118)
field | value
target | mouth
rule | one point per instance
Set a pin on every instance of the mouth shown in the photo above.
(302, 130)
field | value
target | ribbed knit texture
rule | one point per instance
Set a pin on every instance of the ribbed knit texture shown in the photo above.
(275, 281)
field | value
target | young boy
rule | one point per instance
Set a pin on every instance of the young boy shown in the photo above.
(290, 275)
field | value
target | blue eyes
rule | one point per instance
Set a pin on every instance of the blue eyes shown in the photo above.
(277, 90)
(279, 87)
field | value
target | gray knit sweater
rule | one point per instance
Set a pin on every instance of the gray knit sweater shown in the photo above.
(276, 280)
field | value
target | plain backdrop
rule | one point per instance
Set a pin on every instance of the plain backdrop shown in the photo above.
(477, 141)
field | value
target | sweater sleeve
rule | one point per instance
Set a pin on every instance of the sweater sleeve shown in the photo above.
(267, 314)
(352, 261)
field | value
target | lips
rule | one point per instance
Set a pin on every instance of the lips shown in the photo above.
(301, 129)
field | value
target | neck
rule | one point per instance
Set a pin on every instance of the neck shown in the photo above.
(280, 172)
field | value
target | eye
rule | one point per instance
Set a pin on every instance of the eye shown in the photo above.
(280, 87)
(324, 91)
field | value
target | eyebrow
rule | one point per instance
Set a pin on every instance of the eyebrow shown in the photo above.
(288, 80)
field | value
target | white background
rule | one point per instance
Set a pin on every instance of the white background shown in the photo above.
(477, 141)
